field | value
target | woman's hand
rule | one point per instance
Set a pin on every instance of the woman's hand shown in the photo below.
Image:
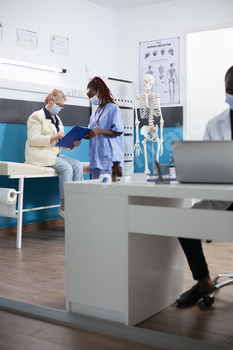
(93, 133)
(57, 136)
(77, 143)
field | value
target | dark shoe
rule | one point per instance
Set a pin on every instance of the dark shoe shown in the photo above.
(193, 295)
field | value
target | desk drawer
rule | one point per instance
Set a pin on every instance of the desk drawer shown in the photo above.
(181, 222)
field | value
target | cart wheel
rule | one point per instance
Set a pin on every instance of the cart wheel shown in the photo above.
(208, 301)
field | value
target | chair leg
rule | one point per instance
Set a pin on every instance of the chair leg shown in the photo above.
(228, 275)
(209, 299)
(225, 283)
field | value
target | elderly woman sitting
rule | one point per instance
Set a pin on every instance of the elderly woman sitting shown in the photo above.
(44, 130)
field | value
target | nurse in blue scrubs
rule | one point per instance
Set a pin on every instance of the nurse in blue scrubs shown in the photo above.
(107, 134)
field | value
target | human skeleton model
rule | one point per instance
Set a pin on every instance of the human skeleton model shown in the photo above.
(149, 104)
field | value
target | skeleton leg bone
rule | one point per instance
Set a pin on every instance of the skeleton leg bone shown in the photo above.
(158, 149)
(147, 171)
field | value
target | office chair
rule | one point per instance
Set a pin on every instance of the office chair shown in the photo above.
(209, 299)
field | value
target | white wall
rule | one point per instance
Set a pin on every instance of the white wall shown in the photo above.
(166, 20)
(209, 55)
(91, 30)
(105, 39)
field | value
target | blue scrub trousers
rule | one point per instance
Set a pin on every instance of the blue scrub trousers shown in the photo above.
(97, 172)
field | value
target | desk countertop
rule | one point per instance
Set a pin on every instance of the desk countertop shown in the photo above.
(150, 189)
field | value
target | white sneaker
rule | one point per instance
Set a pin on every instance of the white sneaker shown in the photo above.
(62, 213)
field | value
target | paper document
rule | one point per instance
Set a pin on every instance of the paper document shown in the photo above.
(77, 133)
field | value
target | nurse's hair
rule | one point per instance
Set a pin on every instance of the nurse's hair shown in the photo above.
(229, 72)
(55, 94)
(99, 85)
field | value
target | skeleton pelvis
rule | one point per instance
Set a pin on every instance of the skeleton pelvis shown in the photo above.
(146, 130)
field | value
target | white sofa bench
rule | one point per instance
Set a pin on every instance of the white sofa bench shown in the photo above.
(23, 171)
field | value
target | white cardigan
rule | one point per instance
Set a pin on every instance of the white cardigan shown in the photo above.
(38, 150)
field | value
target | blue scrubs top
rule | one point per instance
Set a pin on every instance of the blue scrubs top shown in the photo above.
(105, 150)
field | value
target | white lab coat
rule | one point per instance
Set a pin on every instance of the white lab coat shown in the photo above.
(217, 129)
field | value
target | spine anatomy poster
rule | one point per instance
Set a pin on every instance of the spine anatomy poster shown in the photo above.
(160, 58)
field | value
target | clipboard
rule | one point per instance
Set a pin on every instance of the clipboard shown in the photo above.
(77, 133)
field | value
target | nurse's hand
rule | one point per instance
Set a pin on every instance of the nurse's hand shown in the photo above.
(93, 133)
(77, 143)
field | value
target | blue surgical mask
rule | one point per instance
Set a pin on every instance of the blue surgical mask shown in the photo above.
(229, 100)
(95, 100)
(55, 109)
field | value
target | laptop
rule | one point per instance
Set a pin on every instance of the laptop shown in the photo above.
(203, 161)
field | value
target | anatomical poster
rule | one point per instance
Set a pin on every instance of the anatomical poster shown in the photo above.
(160, 58)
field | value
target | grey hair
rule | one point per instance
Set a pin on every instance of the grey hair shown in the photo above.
(55, 94)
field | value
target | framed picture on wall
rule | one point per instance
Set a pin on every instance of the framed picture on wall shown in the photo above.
(27, 39)
(59, 45)
(160, 58)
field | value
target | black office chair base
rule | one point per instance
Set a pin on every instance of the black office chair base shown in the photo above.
(209, 299)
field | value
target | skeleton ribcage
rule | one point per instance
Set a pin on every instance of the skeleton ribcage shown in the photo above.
(152, 109)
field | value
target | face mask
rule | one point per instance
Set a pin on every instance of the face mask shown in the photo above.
(55, 109)
(229, 100)
(95, 100)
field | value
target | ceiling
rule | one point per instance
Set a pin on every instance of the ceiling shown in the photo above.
(120, 5)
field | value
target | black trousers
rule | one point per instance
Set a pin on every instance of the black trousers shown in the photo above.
(194, 254)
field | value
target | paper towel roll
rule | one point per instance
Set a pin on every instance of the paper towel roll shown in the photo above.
(8, 195)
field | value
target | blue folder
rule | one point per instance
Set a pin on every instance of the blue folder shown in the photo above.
(77, 133)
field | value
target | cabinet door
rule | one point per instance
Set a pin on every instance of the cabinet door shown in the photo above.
(128, 168)
(128, 147)
(120, 93)
(128, 94)
(113, 87)
(128, 120)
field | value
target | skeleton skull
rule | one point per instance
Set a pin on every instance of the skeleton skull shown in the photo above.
(148, 81)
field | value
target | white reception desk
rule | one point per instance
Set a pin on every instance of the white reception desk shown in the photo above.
(124, 262)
